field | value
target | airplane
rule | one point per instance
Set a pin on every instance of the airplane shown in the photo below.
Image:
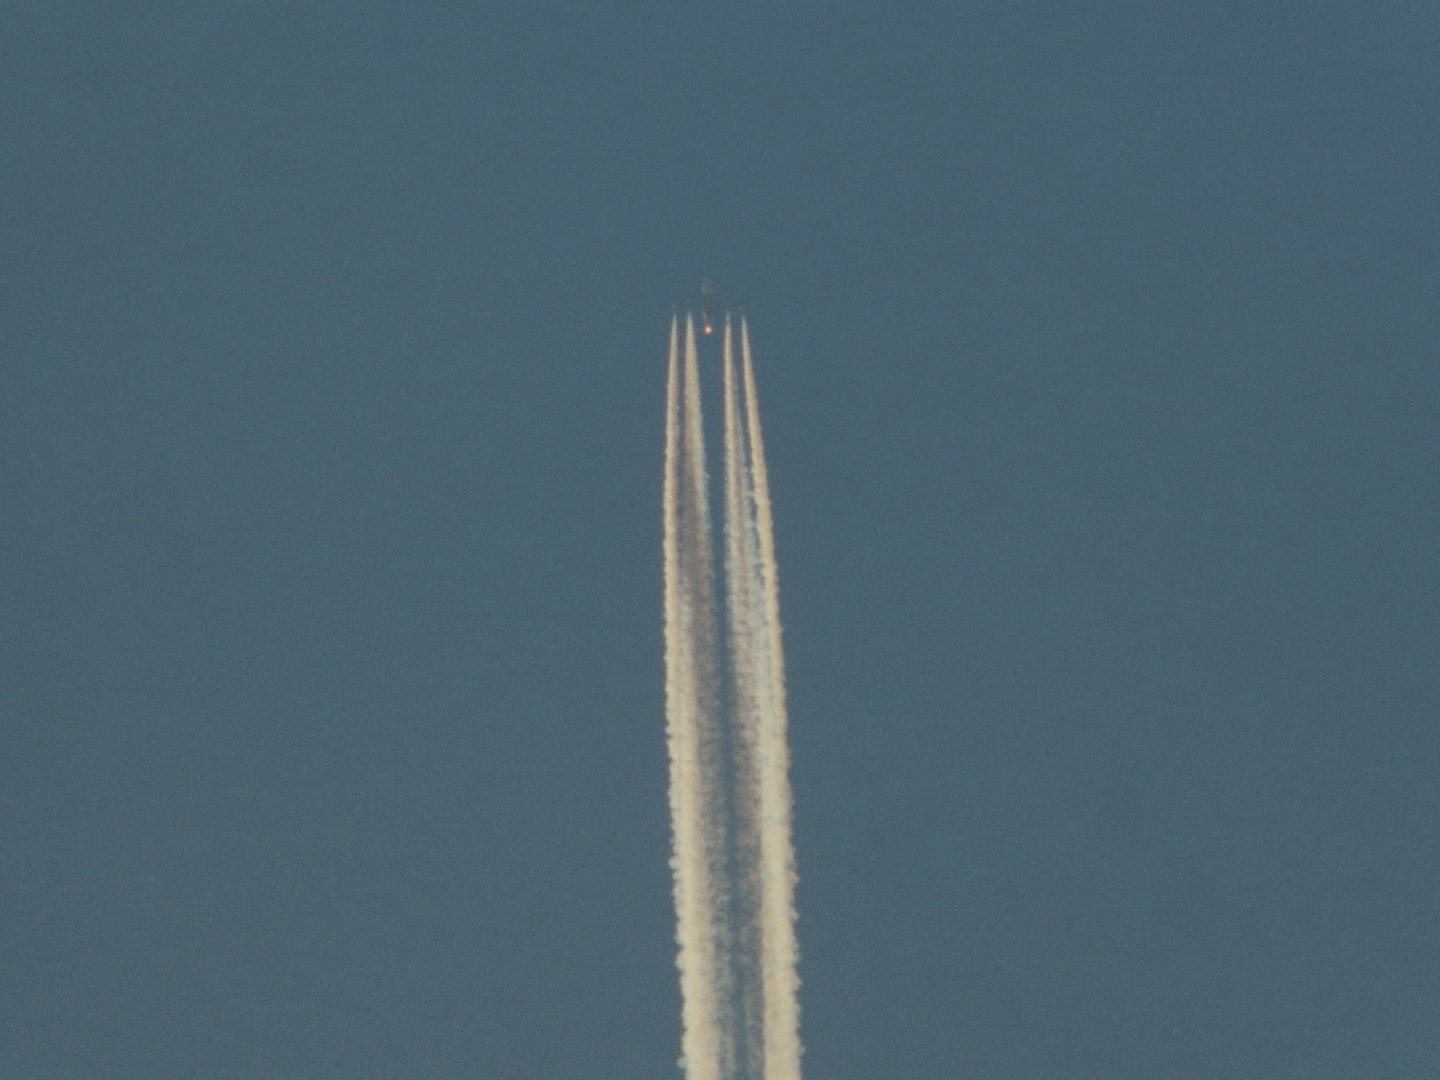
(707, 308)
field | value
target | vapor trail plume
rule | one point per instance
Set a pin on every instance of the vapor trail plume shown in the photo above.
(780, 954)
(729, 764)
(747, 671)
(698, 575)
(685, 732)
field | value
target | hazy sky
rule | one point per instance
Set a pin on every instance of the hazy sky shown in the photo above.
(1097, 347)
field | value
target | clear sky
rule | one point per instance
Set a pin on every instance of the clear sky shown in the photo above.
(1097, 348)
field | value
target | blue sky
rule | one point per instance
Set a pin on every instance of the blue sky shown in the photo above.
(1097, 357)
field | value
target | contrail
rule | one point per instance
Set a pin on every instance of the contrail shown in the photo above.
(747, 670)
(730, 796)
(687, 700)
(780, 953)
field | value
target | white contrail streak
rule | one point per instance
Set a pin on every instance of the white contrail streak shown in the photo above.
(730, 796)
(747, 671)
(698, 575)
(684, 708)
(780, 954)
